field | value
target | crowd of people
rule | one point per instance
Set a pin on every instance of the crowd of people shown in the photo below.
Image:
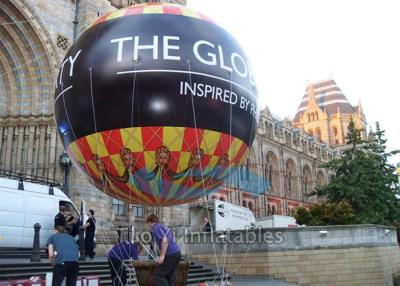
(64, 251)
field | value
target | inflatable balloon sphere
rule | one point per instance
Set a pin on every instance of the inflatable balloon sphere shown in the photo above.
(156, 104)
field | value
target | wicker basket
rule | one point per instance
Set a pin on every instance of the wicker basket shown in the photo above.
(144, 272)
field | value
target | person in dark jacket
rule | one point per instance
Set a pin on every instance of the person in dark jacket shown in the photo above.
(121, 251)
(90, 229)
(61, 214)
(207, 225)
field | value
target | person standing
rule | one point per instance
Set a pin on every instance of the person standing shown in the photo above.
(121, 251)
(90, 229)
(63, 255)
(170, 254)
(61, 213)
(207, 225)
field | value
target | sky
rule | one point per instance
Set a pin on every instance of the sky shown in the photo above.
(291, 43)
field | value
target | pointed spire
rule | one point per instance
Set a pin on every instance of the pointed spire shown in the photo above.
(311, 97)
(371, 135)
(360, 111)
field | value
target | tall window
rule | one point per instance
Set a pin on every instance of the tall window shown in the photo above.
(247, 169)
(335, 135)
(290, 175)
(241, 175)
(118, 206)
(320, 179)
(271, 178)
(306, 182)
(138, 211)
(272, 172)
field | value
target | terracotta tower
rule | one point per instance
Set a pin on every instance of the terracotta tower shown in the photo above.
(325, 113)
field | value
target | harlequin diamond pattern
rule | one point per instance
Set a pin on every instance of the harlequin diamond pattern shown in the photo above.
(158, 165)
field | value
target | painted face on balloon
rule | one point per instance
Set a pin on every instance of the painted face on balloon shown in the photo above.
(196, 157)
(98, 162)
(162, 157)
(223, 160)
(127, 158)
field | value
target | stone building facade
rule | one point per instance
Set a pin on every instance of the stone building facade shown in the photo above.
(34, 37)
(282, 168)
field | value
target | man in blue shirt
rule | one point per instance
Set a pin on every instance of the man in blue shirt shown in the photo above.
(170, 254)
(63, 254)
(121, 251)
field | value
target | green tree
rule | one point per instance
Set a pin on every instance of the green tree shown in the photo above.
(364, 179)
(325, 214)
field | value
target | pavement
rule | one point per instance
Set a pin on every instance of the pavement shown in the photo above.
(259, 281)
(236, 281)
(43, 260)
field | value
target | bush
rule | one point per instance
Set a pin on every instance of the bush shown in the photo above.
(325, 214)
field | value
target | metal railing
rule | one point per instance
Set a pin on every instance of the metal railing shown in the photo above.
(28, 178)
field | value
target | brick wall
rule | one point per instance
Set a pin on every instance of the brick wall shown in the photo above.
(329, 255)
(347, 266)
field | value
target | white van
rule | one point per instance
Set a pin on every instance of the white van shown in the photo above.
(276, 221)
(21, 208)
(223, 216)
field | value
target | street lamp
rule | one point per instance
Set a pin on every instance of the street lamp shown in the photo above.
(65, 163)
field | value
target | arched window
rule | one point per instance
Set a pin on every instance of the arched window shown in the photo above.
(241, 173)
(307, 182)
(244, 203)
(271, 177)
(290, 176)
(247, 169)
(335, 135)
(272, 173)
(269, 210)
(273, 209)
(316, 115)
(320, 179)
(308, 117)
(310, 132)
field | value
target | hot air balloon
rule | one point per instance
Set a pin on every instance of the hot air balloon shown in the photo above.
(156, 104)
